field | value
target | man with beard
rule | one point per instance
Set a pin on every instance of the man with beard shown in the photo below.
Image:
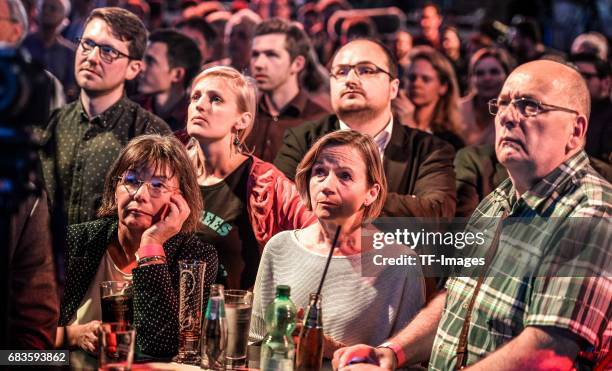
(82, 139)
(418, 166)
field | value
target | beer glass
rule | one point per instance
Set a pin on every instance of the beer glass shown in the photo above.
(191, 284)
(116, 345)
(238, 306)
(116, 299)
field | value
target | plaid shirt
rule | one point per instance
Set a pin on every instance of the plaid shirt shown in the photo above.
(521, 291)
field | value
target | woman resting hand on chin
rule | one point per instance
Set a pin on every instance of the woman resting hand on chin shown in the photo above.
(150, 208)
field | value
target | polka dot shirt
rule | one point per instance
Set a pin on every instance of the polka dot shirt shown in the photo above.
(155, 286)
(78, 152)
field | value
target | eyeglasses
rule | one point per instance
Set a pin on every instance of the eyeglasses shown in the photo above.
(157, 186)
(107, 53)
(363, 71)
(526, 106)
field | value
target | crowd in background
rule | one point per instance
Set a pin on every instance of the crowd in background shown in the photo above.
(242, 85)
(224, 32)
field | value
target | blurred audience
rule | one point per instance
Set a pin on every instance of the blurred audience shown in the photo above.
(487, 72)
(430, 23)
(203, 35)
(267, 9)
(50, 48)
(432, 89)
(80, 13)
(403, 46)
(598, 77)
(526, 42)
(591, 43)
(280, 57)
(453, 50)
(218, 20)
(171, 61)
(239, 32)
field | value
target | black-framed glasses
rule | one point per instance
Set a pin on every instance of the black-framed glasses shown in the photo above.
(157, 186)
(527, 107)
(363, 70)
(107, 53)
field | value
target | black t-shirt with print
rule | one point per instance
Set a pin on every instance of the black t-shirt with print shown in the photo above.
(226, 225)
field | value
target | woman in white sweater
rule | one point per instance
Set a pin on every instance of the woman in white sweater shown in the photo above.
(341, 179)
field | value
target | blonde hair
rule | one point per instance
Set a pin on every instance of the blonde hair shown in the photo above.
(370, 154)
(244, 89)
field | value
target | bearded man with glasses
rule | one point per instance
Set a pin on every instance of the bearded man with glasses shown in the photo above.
(83, 138)
(418, 166)
(543, 298)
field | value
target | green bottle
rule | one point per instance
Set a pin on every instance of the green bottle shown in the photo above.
(278, 349)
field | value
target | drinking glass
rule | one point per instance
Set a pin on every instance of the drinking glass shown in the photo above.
(116, 298)
(191, 284)
(238, 306)
(116, 345)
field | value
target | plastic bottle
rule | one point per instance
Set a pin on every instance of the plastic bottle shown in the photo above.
(278, 349)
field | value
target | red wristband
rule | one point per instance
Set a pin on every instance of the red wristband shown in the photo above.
(151, 250)
(399, 352)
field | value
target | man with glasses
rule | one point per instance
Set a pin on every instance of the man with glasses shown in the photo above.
(418, 166)
(83, 139)
(544, 298)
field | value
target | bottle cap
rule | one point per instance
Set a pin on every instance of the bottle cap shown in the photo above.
(283, 290)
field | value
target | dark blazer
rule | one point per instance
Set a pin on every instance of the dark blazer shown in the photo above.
(156, 286)
(478, 174)
(32, 302)
(418, 166)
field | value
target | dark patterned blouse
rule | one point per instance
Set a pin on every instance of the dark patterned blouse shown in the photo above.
(156, 286)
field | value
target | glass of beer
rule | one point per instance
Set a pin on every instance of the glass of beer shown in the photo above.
(191, 284)
(117, 301)
(238, 306)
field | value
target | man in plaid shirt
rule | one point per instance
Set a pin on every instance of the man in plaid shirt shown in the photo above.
(546, 300)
